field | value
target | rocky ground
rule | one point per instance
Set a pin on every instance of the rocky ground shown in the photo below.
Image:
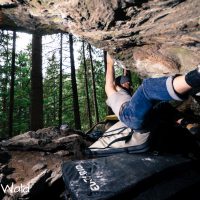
(30, 163)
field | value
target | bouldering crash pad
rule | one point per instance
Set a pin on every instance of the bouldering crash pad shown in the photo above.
(132, 176)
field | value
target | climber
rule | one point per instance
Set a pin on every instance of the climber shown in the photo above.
(133, 132)
(133, 111)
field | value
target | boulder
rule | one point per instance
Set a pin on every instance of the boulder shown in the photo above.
(150, 37)
(30, 163)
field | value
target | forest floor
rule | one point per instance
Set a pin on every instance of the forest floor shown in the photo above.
(34, 160)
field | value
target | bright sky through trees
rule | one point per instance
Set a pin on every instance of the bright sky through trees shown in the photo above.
(23, 39)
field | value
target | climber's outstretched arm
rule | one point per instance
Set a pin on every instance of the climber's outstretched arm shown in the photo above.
(110, 74)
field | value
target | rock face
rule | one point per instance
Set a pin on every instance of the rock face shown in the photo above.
(30, 163)
(151, 37)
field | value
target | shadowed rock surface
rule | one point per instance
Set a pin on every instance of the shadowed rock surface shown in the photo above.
(152, 37)
(34, 160)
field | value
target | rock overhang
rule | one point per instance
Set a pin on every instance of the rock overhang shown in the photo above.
(151, 37)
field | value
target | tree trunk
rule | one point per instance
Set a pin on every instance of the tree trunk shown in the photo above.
(54, 99)
(12, 86)
(36, 84)
(86, 87)
(4, 101)
(93, 85)
(74, 86)
(60, 81)
(5, 82)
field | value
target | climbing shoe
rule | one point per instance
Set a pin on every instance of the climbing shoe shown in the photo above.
(119, 138)
(192, 78)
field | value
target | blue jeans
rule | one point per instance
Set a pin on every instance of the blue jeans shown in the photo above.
(135, 112)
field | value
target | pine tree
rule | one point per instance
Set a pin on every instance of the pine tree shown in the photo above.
(22, 93)
(99, 73)
(36, 84)
(86, 86)
(74, 86)
(5, 68)
(51, 92)
(60, 80)
(93, 84)
(12, 85)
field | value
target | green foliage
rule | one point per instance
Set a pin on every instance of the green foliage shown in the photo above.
(68, 114)
(5, 58)
(136, 81)
(51, 85)
(51, 89)
(99, 72)
(22, 93)
(22, 87)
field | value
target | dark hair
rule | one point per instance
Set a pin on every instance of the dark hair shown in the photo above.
(121, 79)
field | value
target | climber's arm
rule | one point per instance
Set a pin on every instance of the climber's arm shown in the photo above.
(110, 81)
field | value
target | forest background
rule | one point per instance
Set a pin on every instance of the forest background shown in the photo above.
(59, 81)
